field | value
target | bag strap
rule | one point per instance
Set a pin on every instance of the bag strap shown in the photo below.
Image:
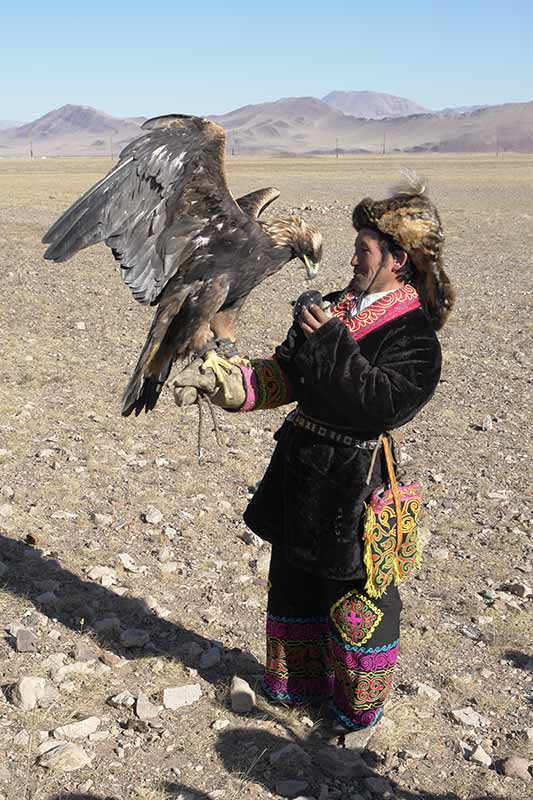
(394, 489)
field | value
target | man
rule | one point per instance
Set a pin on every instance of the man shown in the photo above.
(365, 366)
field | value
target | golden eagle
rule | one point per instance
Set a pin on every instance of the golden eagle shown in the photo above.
(183, 242)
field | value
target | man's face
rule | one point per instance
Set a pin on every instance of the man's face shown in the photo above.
(366, 260)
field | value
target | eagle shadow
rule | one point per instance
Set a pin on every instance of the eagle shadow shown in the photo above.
(82, 603)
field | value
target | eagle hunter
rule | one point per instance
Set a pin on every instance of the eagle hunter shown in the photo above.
(183, 243)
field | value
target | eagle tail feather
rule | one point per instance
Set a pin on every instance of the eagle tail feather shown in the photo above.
(157, 357)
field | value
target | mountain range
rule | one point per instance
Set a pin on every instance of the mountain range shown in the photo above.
(346, 122)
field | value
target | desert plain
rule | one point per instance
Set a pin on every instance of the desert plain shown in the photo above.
(111, 525)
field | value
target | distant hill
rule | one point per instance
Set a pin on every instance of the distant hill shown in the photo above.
(70, 130)
(372, 105)
(300, 125)
(290, 126)
(8, 123)
(463, 109)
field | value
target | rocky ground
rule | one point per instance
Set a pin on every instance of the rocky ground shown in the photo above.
(131, 594)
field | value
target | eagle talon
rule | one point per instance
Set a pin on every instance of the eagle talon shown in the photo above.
(220, 366)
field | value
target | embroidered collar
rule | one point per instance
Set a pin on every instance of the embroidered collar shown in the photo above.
(393, 305)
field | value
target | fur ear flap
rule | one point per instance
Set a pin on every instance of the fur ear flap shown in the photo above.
(435, 289)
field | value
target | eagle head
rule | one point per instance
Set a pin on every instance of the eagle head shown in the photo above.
(306, 244)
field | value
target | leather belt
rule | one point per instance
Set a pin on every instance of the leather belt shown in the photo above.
(300, 420)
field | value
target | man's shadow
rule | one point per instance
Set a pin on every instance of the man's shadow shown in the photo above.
(81, 604)
(244, 753)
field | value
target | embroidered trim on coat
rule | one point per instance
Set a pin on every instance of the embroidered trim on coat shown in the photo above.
(395, 304)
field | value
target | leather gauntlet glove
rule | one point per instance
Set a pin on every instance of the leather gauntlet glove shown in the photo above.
(198, 379)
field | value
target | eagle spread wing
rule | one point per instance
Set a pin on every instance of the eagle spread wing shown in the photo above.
(155, 207)
(183, 242)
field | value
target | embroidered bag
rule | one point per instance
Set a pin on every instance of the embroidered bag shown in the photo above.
(391, 549)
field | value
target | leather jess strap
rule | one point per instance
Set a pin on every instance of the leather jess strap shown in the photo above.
(384, 440)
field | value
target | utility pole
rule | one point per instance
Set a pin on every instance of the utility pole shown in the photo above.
(384, 149)
(232, 143)
(336, 148)
(31, 142)
(497, 146)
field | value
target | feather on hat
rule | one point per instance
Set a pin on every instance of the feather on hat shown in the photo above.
(411, 219)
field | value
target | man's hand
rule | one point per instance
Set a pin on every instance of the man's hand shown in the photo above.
(312, 318)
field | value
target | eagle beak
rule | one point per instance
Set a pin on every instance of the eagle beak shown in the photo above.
(312, 269)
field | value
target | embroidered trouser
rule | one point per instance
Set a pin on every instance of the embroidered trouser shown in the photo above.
(327, 641)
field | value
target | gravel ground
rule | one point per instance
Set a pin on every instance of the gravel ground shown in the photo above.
(82, 488)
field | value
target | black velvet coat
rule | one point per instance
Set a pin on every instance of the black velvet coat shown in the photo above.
(311, 498)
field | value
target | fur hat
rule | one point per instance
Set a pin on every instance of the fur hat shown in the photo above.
(413, 222)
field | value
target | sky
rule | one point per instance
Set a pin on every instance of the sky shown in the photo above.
(212, 57)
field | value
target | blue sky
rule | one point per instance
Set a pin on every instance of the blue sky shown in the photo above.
(168, 57)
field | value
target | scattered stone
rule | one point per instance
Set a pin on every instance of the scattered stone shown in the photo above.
(416, 755)
(210, 658)
(7, 492)
(251, 538)
(101, 520)
(123, 699)
(30, 692)
(53, 662)
(519, 589)
(165, 554)
(440, 554)
(468, 716)
(425, 690)
(81, 326)
(64, 516)
(134, 637)
(47, 599)
(262, 565)
(242, 696)
(129, 564)
(112, 660)
(66, 757)
(515, 767)
(106, 576)
(107, 625)
(6, 510)
(168, 567)
(46, 745)
(308, 722)
(21, 739)
(380, 787)
(144, 709)
(220, 724)
(26, 641)
(358, 740)
(291, 760)
(76, 668)
(291, 788)
(137, 725)
(480, 757)
(341, 763)
(179, 696)
(78, 730)
(84, 652)
(487, 424)
(152, 516)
